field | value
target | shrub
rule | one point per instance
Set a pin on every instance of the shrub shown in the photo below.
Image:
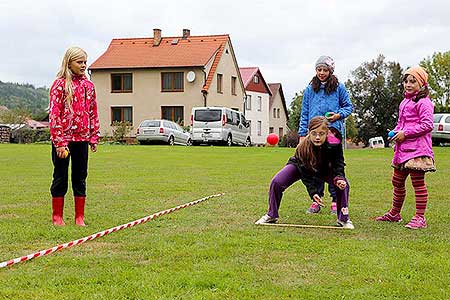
(28, 135)
(121, 131)
(292, 139)
(283, 141)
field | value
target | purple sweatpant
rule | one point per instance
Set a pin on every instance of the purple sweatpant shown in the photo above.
(288, 176)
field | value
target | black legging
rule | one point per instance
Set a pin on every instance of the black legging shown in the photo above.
(79, 156)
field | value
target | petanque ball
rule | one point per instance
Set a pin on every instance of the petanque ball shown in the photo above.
(391, 134)
(272, 139)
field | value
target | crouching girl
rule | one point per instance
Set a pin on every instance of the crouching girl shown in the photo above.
(317, 158)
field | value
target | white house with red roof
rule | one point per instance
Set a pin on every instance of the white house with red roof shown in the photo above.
(278, 113)
(165, 77)
(256, 103)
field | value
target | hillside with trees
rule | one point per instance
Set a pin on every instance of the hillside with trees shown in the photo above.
(24, 97)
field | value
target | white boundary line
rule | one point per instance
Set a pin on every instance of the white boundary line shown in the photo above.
(102, 233)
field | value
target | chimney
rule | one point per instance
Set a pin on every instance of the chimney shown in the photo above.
(186, 33)
(156, 37)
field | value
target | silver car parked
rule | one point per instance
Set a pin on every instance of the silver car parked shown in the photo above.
(441, 129)
(162, 131)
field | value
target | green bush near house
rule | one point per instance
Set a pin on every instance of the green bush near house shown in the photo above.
(213, 250)
(120, 131)
(29, 135)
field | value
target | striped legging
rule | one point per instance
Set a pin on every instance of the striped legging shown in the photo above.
(420, 189)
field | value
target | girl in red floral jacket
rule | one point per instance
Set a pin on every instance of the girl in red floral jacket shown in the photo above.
(74, 127)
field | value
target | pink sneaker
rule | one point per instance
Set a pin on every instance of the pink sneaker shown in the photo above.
(314, 208)
(417, 222)
(333, 208)
(389, 217)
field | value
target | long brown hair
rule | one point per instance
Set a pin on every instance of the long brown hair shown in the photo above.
(306, 151)
(330, 86)
(423, 91)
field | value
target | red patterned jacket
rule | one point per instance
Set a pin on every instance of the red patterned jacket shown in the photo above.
(79, 125)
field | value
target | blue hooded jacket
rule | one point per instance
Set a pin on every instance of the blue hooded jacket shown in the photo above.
(318, 104)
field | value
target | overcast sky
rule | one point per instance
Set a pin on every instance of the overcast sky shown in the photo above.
(281, 37)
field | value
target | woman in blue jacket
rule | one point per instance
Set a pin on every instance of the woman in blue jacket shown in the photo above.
(325, 96)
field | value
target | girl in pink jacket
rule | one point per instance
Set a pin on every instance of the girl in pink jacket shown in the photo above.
(74, 127)
(413, 153)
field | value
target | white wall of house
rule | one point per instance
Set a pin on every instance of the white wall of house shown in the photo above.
(278, 117)
(258, 111)
(228, 68)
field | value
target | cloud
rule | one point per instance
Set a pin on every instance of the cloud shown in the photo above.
(282, 38)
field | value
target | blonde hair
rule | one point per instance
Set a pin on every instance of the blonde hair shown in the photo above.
(73, 53)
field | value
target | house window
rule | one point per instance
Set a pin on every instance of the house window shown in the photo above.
(248, 102)
(258, 128)
(172, 82)
(259, 103)
(173, 113)
(255, 79)
(219, 83)
(122, 114)
(274, 112)
(122, 83)
(278, 113)
(270, 129)
(280, 132)
(233, 85)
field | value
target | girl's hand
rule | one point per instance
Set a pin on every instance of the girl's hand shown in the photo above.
(93, 147)
(341, 184)
(301, 138)
(399, 137)
(333, 117)
(61, 152)
(318, 200)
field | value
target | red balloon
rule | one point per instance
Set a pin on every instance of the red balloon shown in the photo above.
(272, 139)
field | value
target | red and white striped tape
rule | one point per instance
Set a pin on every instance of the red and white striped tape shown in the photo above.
(102, 233)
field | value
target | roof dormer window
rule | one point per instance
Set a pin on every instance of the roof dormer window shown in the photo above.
(255, 79)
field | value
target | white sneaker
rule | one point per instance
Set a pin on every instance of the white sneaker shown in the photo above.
(345, 225)
(266, 219)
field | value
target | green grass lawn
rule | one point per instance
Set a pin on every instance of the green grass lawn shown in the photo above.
(213, 250)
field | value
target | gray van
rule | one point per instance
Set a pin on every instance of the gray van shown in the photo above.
(219, 125)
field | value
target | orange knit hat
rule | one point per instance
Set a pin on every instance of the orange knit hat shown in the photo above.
(419, 74)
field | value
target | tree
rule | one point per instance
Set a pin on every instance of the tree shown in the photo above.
(295, 110)
(376, 92)
(350, 128)
(438, 68)
(14, 116)
(14, 95)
